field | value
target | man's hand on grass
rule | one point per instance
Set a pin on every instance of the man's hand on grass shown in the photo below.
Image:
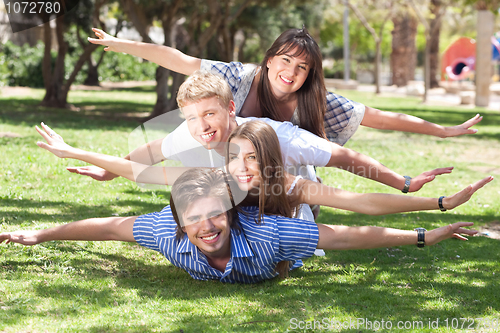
(94, 172)
(21, 237)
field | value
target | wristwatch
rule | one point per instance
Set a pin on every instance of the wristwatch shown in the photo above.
(407, 184)
(440, 203)
(421, 236)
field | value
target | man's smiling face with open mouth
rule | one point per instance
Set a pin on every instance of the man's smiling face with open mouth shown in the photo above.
(209, 122)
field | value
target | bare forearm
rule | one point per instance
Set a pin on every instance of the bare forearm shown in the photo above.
(348, 238)
(162, 55)
(400, 122)
(365, 166)
(365, 203)
(97, 229)
(131, 170)
(149, 153)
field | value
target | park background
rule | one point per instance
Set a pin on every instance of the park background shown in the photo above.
(96, 99)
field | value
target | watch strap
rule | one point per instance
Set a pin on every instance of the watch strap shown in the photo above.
(440, 203)
(420, 237)
(406, 188)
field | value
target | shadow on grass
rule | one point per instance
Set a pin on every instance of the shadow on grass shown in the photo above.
(375, 290)
(72, 212)
(405, 220)
(451, 117)
(27, 111)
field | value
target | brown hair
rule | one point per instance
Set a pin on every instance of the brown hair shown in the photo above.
(311, 100)
(268, 153)
(272, 192)
(200, 183)
(201, 85)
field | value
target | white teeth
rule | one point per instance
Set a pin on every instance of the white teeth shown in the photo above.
(244, 177)
(286, 80)
(207, 136)
(211, 237)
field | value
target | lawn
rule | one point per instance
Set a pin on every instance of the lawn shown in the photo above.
(121, 287)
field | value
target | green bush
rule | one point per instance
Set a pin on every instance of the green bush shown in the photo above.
(118, 67)
(22, 65)
(4, 71)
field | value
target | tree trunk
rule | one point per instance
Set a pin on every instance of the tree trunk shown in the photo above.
(435, 27)
(404, 55)
(54, 80)
(427, 68)
(177, 80)
(485, 24)
(92, 73)
(377, 65)
(161, 106)
(56, 88)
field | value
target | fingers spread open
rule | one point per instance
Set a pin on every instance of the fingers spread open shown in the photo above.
(42, 133)
(473, 121)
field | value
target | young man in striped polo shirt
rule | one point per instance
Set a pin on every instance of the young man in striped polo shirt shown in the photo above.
(202, 233)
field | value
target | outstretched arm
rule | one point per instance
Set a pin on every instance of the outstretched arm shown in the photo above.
(335, 237)
(367, 167)
(384, 120)
(314, 193)
(98, 229)
(148, 154)
(164, 56)
(119, 166)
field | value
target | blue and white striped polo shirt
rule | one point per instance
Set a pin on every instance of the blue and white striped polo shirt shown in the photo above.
(255, 252)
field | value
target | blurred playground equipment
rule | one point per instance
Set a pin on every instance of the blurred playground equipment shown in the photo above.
(459, 59)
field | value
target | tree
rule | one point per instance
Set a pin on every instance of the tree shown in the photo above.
(430, 29)
(435, 28)
(92, 65)
(376, 36)
(485, 25)
(56, 86)
(188, 26)
(403, 56)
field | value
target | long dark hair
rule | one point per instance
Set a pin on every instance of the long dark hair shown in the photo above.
(311, 100)
(268, 153)
(272, 191)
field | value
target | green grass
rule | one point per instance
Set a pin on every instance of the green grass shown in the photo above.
(120, 287)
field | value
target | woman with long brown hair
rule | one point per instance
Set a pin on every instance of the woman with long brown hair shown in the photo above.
(254, 161)
(287, 86)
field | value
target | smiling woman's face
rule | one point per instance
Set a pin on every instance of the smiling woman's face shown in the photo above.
(243, 165)
(287, 73)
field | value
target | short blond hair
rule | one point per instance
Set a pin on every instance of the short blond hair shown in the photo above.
(201, 85)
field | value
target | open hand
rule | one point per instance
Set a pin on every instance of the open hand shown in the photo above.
(450, 231)
(464, 195)
(425, 177)
(104, 39)
(21, 237)
(94, 172)
(463, 128)
(55, 143)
